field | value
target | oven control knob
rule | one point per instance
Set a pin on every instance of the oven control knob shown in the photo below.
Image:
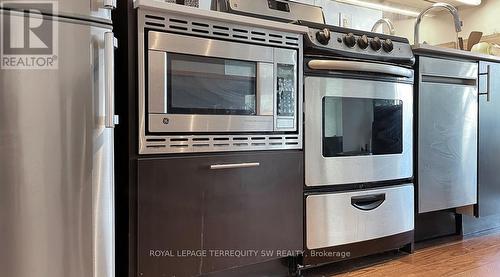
(323, 36)
(363, 42)
(375, 44)
(388, 46)
(350, 40)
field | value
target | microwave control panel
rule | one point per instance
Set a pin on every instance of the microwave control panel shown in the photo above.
(286, 90)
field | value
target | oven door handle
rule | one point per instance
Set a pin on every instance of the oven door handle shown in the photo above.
(368, 202)
(360, 67)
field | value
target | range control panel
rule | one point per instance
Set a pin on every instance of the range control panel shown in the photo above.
(370, 44)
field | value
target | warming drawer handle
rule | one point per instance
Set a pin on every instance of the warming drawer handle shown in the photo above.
(233, 166)
(368, 202)
(360, 66)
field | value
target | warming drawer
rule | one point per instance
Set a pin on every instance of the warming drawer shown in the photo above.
(349, 217)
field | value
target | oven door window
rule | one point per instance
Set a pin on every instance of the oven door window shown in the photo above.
(362, 126)
(205, 85)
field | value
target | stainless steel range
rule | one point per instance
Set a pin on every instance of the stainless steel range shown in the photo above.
(358, 136)
(358, 142)
(359, 108)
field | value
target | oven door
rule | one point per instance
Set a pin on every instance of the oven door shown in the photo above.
(357, 130)
(206, 85)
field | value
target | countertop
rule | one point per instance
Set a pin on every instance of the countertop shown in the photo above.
(434, 50)
(158, 5)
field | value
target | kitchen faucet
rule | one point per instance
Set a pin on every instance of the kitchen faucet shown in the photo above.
(386, 21)
(450, 8)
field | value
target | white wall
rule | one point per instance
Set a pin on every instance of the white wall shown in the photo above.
(355, 17)
(440, 29)
(433, 29)
(358, 17)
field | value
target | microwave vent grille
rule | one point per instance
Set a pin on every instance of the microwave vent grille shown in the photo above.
(221, 30)
(193, 144)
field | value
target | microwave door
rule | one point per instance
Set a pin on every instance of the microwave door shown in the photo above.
(208, 86)
(204, 94)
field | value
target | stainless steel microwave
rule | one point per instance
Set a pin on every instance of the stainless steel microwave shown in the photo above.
(205, 85)
(214, 82)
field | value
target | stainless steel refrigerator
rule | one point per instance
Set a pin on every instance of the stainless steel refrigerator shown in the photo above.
(56, 145)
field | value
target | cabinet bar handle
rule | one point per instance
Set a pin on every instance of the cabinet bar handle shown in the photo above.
(488, 83)
(488, 96)
(232, 166)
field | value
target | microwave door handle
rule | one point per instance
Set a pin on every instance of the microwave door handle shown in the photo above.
(110, 43)
(265, 89)
(360, 66)
(103, 188)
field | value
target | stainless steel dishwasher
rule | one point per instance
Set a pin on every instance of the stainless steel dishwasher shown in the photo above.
(447, 134)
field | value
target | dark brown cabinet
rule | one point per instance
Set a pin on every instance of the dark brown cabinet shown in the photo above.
(489, 139)
(249, 201)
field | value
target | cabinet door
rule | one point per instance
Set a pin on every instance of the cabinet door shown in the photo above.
(489, 139)
(169, 216)
(245, 202)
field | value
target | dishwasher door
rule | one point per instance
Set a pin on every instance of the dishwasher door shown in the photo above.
(447, 134)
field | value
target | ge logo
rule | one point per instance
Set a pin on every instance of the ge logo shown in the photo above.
(166, 121)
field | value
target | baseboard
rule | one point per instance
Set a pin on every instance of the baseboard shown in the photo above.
(477, 226)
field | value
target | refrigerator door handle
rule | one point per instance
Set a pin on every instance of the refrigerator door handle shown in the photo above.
(109, 4)
(103, 189)
(110, 43)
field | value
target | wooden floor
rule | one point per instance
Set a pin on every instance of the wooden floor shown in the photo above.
(475, 257)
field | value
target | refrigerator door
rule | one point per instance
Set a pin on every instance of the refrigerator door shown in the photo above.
(96, 10)
(56, 171)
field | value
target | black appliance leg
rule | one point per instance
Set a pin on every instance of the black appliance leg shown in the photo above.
(294, 266)
(409, 248)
